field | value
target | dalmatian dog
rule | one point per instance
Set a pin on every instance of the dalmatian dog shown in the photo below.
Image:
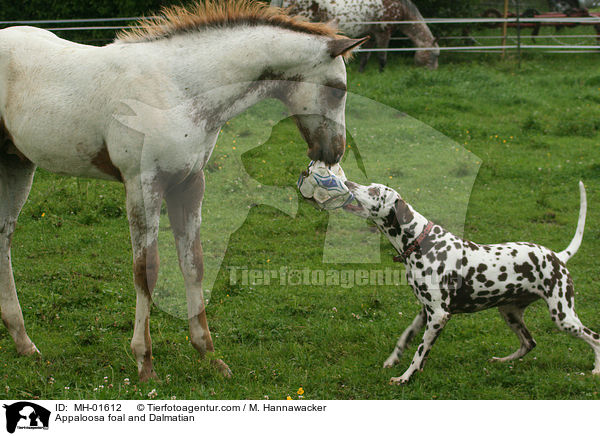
(451, 275)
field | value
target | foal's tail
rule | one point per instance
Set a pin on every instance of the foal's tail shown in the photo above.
(566, 254)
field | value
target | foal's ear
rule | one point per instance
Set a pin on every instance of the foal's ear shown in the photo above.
(340, 47)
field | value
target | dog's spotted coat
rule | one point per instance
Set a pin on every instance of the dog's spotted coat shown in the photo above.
(451, 275)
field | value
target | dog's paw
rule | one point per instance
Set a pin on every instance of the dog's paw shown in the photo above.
(390, 362)
(399, 380)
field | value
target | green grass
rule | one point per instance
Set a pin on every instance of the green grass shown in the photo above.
(534, 132)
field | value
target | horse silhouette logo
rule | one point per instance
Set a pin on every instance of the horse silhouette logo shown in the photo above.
(28, 415)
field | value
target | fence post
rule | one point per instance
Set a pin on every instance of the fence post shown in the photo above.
(504, 27)
(519, 34)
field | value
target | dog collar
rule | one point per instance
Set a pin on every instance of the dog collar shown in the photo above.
(414, 244)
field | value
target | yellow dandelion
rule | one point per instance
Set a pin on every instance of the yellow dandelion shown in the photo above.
(233, 148)
(268, 260)
(300, 391)
(288, 398)
(43, 214)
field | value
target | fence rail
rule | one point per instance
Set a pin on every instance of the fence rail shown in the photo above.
(561, 48)
(560, 20)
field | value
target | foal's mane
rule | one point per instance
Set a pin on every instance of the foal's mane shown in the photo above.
(176, 20)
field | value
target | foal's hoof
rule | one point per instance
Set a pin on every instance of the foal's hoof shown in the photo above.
(28, 350)
(222, 367)
(148, 375)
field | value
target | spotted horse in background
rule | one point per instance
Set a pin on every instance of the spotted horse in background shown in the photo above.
(352, 17)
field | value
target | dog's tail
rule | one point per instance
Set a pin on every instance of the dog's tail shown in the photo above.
(566, 254)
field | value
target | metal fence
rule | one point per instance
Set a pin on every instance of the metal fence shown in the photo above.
(511, 42)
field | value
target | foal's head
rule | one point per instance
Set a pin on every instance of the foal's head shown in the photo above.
(318, 98)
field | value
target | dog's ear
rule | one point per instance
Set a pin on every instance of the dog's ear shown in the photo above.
(399, 215)
(403, 213)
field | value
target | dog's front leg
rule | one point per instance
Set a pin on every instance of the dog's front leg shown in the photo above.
(434, 324)
(405, 339)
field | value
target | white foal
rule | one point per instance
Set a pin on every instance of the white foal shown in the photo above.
(62, 107)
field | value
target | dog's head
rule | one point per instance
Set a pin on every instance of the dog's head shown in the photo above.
(381, 204)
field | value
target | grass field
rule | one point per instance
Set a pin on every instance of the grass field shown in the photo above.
(525, 136)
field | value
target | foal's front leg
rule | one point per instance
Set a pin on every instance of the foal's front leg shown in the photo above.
(434, 325)
(184, 203)
(16, 177)
(144, 200)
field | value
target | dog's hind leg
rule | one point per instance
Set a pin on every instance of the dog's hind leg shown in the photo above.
(513, 315)
(405, 339)
(434, 324)
(16, 176)
(564, 316)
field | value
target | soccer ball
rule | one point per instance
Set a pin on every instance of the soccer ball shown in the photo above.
(325, 185)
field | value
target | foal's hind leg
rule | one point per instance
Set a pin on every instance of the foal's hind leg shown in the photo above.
(184, 203)
(143, 212)
(16, 176)
(513, 315)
